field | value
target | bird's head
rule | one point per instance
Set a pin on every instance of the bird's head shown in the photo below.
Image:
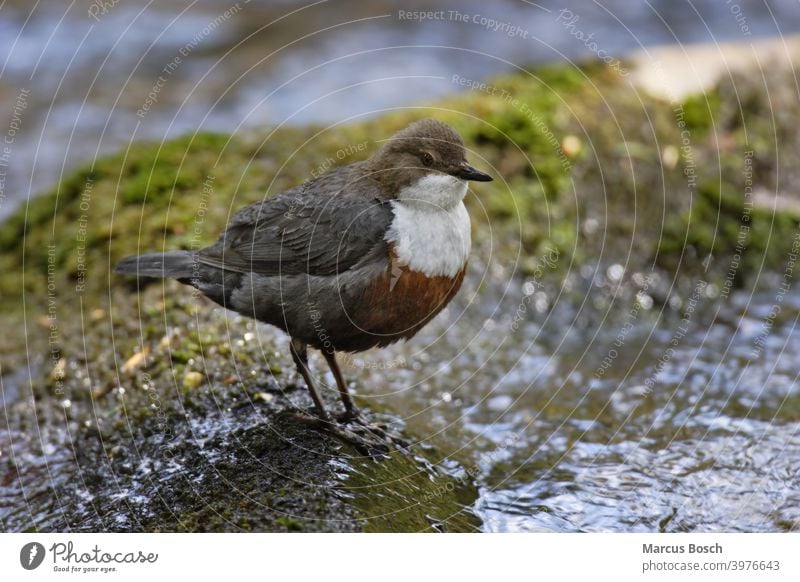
(425, 162)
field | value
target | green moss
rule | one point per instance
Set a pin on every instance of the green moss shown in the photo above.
(290, 524)
(723, 220)
(153, 174)
(180, 193)
(702, 111)
(417, 501)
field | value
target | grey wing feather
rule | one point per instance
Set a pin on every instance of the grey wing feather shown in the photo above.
(301, 231)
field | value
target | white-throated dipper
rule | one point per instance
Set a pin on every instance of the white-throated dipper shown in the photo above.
(360, 257)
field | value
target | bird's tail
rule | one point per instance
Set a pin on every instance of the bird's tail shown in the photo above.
(172, 264)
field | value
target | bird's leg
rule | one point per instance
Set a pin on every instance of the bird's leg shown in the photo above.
(299, 352)
(323, 420)
(351, 412)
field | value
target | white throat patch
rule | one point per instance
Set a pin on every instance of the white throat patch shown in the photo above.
(431, 228)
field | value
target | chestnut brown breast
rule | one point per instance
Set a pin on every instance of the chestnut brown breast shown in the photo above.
(399, 303)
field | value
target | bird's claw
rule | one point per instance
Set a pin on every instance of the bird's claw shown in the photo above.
(348, 416)
(366, 443)
(351, 428)
(360, 424)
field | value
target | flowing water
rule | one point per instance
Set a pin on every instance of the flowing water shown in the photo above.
(685, 418)
(527, 412)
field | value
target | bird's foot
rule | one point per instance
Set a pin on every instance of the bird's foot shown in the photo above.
(355, 420)
(365, 442)
(350, 415)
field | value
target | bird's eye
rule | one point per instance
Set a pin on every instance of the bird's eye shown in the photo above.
(427, 159)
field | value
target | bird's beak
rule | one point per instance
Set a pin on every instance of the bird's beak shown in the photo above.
(467, 172)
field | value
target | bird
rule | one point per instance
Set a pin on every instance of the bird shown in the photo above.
(362, 256)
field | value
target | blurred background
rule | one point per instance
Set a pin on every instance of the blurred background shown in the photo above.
(90, 66)
(624, 352)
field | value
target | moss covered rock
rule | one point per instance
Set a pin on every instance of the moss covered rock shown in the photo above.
(178, 407)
